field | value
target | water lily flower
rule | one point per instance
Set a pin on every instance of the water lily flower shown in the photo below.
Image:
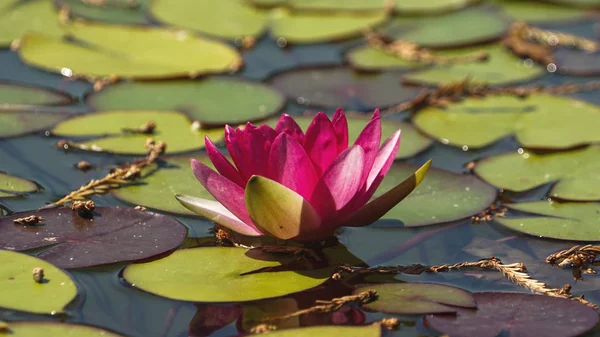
(298, 185)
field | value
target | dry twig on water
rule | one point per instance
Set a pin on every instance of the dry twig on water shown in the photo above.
(516, 272)
(146, 128)
(28, 220)
(300, 252)
(488, 214)
(120, 176)
(578, 257)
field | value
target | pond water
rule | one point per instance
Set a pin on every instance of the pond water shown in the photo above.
(106, 300)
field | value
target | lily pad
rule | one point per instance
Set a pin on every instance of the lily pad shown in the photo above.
(411, 144)
(577, 3)
(220, 274)
(108, 51)
(297, 27)
(212, 101)
(372, 330)
(11, 186)
(55, 329)
(16, 19)
(372, 59)
(174, 128)
(538, 12)
(22, 95)
(565, 221)
(443, 196)
(112, 235)
(116, 11)
(417, 298)
(576, 173)
(515, 314)
(21, 292)
(539, 121)
(18, 123)
(340, 87)
(576, 62)
(501, 68)
(469, 26)
(226, 19)
(159, 187)
(430, 6)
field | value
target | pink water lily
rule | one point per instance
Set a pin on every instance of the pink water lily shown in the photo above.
(298, 185)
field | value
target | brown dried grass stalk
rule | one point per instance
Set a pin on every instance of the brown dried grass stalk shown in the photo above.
(580, 258)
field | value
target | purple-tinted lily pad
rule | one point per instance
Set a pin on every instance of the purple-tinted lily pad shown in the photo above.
(418, 298)
(112, 235)
(22, 95)
(577, 62)
(514, 314)
(210, 318)
(18, 123)
(340, 87)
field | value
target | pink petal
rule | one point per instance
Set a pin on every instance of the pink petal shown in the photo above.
(232, 141)
(222, 189)
(339, 183)
(214, 211)
(340, 125)
(222, 164)
(320, 142)
(370, 139)
(255, 149)
(290, 166)
(288, 125)
(269, 132)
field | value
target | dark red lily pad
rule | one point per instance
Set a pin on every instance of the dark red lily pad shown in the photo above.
(515, 314)
(113, 234)
(340, 87)
(576, 62)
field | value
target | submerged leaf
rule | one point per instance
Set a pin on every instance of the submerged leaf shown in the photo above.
(20, 291)
(575, 174)
(516, 314)
(114, 11)
(111, 235)
(220, 274)
(417, 298)
(565, 221)
(211, 101)
(11, 186)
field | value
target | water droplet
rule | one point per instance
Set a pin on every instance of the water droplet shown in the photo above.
(465, 148)
(528, 63)
(520, 150)
(467, 188)
(551, 67)
(552, 40)
(66, 72)
(281, 42)
(445, 141)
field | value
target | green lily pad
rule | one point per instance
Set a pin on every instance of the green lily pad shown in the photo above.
(212, 101)
(267, 3)
(340, 87)
(577, 3)
(21, 292)
(226, 19)
(469, 26)
(372, 59)
(538, 121)
(11, 186)
(575, 172)
(16, 19)
(159, 187)
(373, 330)
(220, 274)
(113, 51)
(174, 128)
(22, 95)
(443, 196)
(116, 11)
(538, 12)
(502, 67)
(313, 27)
(417, 298)
(18, 123)
(54, 329)
(565, 221)
(430, 6)
(347, 5)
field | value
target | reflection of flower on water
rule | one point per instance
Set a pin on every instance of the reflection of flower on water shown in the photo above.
(291, 184)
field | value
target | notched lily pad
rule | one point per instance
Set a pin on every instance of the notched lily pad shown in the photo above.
(212, 101)
(11, 186)
(109, 51)
(575, 173)
(21, 292)
(112, 235)
(517, 314)
(19, 95)
(417, 298)
(501, 68)
(443, 196)
(16, 19)
(174, 128)
(340, 87)
(540, 121)
(469, 26)
(116, 11)
(220, 274)
(55, 329)
(565, 221)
